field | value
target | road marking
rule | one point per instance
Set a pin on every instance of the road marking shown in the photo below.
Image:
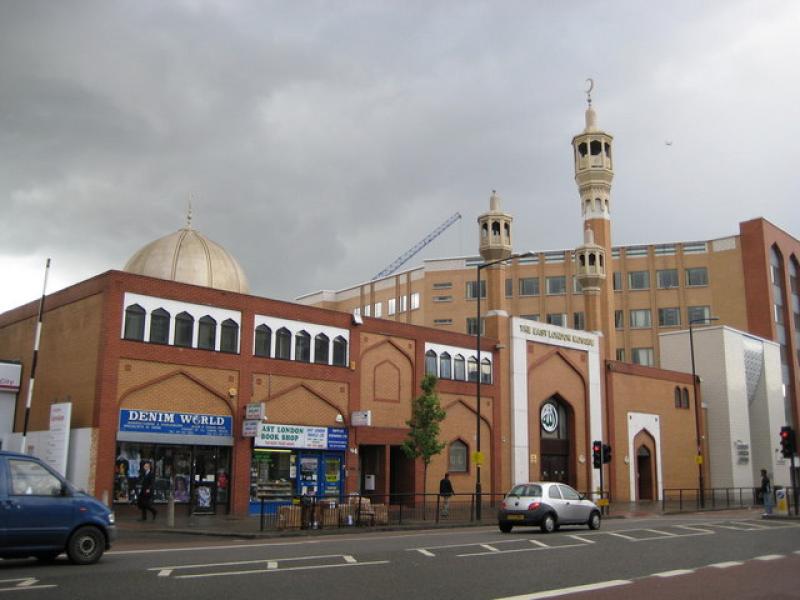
(695, 528)
(727, 565)
(797, 551)
(674, 573)
(349, 559)
(538, 543)
(570, 590)
(623, 536)
(425, 552)
(272, 564)
(513, 550)
(263, 571)
(165, 572)
(664, 533)
(25, 583)
(490, 548)
(581, 539)
(244, 562)
(769, 557)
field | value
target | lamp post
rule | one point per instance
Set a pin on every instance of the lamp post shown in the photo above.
(700, 478)
(478, 375)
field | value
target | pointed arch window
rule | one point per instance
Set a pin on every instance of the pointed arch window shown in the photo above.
(486, 371)
(263, 341)
(685, 399)
(340, 351)
(283, 344)
(431, 368)
(302, 346)
(459, 368)
(558, 421)
(184, 330)
(159, 326)
(457, 457)
(229, 338)
(472, 369)
(207, 333)
(322, 344)
(445, 366)
(677, 397)
(134, 322)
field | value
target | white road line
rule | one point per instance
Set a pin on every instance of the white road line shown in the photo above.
(769, 557)
(32, 587)
(490, 548)
(425, 552)
(727, 565)
(751, 524)
(695, 528)
(349, 559)
(797, 551)
(244, 562)
(27, 582)
(623, 536)
(659, 532)
(513, 550)
(581, 539)
(165, 572)
(447, 546)
(674, 573)
(538, 543)
(265, 571)
(571, 590)
(273, 564)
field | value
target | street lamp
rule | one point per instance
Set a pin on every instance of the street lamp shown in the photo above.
(478, 376)
(700, 479)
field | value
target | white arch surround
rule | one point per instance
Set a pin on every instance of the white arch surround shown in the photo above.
(636, 423)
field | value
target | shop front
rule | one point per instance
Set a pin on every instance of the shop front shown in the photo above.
(190, 455)
(290, 461)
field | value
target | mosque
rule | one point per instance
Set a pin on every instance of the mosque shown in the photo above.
(236, 397)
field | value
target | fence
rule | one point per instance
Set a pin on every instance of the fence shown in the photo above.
(717, 498)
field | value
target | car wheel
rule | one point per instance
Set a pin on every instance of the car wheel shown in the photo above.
(594, 520)
(506, 527)
(548, 524)
(86, 546)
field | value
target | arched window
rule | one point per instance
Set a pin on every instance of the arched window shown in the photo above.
(322, 344)
(553, 420)
(283, 343)
(484, 230)
(445, 366)
(134, 323)
(677, 397)
(159, 326)
(229, 338)
(207, 333)
(459, 368)
(340, 351)
(685, 400)
(302, 346)
(263, 341)
(486, 371)
(184, 330)
(457, 457)
(472, 369)
(430, 363)
(496, 228)
(507, 230)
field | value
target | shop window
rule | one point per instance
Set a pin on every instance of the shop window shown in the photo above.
(207, 333)
(340, 351)
(229, 340)
(283, 344)
(159, 326)
(184, 330)
(431, 368)
(134, 323)
(457, 457)
(459, 368)
(445, 366)
(322, 344)
(486, 371)
(472, 369)
(263, 341)
(302, 347)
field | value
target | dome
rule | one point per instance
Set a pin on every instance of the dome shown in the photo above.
(188, 256)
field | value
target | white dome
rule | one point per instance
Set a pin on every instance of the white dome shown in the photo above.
(188, 256)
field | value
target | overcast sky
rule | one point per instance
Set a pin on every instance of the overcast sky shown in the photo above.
(320, 140)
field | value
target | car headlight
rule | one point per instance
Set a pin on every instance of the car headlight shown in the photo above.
(111, 518)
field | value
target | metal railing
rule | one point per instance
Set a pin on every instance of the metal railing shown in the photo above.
(690, 499)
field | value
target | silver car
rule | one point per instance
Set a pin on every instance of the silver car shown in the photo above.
(548, 505)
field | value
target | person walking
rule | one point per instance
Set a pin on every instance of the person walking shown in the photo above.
(146, 493)
(766, 492)
(445, 491)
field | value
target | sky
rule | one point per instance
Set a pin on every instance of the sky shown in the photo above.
(318, 141)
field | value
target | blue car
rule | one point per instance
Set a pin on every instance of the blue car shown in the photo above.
(43, 515)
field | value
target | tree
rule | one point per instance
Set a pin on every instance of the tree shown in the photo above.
(423, 435)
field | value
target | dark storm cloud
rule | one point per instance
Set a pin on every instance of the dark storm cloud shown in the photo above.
(321, 140)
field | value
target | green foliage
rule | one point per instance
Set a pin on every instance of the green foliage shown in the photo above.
(426, 414)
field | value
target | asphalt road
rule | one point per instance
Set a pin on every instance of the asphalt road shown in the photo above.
(703, 556)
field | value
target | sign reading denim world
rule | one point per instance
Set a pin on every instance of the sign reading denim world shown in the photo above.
(272, 435)
(174, 423)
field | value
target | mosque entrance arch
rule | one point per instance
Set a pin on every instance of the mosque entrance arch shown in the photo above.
(555, 431)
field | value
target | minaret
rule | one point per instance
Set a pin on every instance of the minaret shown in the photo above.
(594, 172)
(495, 244)
(590, 269)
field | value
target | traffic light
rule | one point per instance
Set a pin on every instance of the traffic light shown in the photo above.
(597, 448)
(606, 453)
(788, 442)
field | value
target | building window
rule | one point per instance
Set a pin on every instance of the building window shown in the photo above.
(486, 371)
(640, 318)
(457, 457)
(509, 287)
(415, 301)
(283, 343)
(667, 278)
(443, 285)
(367, 310)
(472, 287)
(378, 310)
(529, 286)
(685, 398)
(578, 320)
(556, 285)
(302, 346)
(530, 317)
(642, 356)
(263, 341)
(184, 330)
(559, 319)
(322, 344)
(207, 333)
(677, 397)
(229, 336)
(431, 368)
(698, 314)
(619, 319)
(639, 280)
(443, 322)
(577, 286)
(669, 317)
(134, 323)
(459, 368)
(697, 276)
(472, 326)
(340, 351)
(621, 354)
(442, 298)
(617, 281)
(392, 306)
(445, 366)
(403, 303)
(472, 369)
(159, 326)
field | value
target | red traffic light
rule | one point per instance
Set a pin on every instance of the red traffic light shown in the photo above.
(596, 447)
(785, 434)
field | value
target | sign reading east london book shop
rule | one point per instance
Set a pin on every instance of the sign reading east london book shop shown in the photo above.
(271, 435)
(175, 423)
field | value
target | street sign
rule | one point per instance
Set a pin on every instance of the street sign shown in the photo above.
(477, 458)
(602, 502)
(254, 410)
(361, 418)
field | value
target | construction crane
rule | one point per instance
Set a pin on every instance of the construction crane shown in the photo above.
(404, 258)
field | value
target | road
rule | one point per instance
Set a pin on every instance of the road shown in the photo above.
(708, 556)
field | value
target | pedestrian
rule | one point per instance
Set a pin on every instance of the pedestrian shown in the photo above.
(146, 492)
(445, 491)
(766, 492)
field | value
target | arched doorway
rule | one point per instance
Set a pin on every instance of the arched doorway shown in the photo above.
(554, 432)
(644, 473)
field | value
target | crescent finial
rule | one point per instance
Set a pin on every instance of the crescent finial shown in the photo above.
(589, 88)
